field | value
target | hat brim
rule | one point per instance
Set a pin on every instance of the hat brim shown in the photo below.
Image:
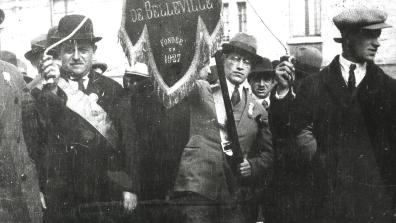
(136, 74)
(32, 54)
(228, 48)
(93, 39)
(266, 74)
(369, 27)
(377, 26)
(101, 66)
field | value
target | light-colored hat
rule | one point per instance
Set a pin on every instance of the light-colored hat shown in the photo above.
(308, 58)
(360, 18)
(138, 70)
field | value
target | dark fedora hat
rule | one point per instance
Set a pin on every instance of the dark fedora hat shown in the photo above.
(242, 43)
(263, 68)
(359, 18)
(38, 45)
(67, 25)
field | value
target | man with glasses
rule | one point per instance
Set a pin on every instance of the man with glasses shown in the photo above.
(204, 174)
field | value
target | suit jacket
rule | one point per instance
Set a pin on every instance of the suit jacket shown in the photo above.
(18, 178)
(77, 163)
(203, 168)
(350, 140)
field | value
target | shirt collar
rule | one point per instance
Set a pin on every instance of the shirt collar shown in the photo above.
(345, 64)
(260, 100)
(231, 86)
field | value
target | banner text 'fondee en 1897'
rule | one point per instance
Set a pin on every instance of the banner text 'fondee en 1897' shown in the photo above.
(166, 9)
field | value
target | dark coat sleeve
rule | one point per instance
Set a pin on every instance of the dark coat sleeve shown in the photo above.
(302, 120)
(262, 164)
(128, 143)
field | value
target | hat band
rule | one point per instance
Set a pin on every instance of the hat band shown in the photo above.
(243, 46)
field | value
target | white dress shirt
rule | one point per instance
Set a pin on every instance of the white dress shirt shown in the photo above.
(231, 87)
(360, 70)
(74, 84)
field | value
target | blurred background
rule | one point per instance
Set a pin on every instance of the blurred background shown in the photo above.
(294, 22)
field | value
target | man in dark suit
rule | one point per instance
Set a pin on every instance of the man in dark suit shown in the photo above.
(204, 174)
(82, 163)
(345, 121)
(289, 193)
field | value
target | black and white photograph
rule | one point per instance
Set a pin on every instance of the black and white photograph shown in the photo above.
(197, 111)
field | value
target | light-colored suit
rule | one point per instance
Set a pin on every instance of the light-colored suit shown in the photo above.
(203, 167)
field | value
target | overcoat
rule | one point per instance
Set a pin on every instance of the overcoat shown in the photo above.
(18, 177)
(77, 161)
(350, 140)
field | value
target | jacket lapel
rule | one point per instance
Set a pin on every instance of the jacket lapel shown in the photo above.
(335, 83)
(248, 100)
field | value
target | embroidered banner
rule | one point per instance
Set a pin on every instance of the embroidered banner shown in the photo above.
(174, 38)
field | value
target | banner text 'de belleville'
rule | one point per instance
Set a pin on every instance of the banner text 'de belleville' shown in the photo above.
(166, 9)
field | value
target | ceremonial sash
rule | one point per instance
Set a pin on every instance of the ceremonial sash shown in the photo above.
(86, 106)
(221, 118)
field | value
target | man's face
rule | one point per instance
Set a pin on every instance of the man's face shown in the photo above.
(363, 45)
(237, 67)
(261, 87)
(76, 57)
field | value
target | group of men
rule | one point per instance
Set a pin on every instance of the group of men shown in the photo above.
(316, 146)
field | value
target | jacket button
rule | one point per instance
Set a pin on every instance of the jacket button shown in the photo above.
(23, 177)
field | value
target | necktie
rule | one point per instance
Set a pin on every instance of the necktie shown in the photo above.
(80, 83)
(265, 104)
(236, 97)
(352, 79)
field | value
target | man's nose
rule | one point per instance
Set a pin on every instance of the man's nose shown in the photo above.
(376, 42)
(76, 53)
(240, 65)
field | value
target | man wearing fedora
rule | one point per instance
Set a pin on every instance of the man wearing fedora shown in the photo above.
(83, 165)
(204, 174)
(19, 187)
(261, 80)
(38, 45)
(344, 119)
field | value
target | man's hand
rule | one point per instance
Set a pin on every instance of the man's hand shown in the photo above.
(49, 69)
(130, 201)
(245, 168)
(42, 200)
(284, 75)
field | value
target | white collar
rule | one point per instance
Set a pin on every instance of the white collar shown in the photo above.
(231, 86)
(360, 70)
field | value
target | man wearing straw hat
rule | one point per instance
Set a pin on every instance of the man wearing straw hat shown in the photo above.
(345, 122)
(82, 169)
